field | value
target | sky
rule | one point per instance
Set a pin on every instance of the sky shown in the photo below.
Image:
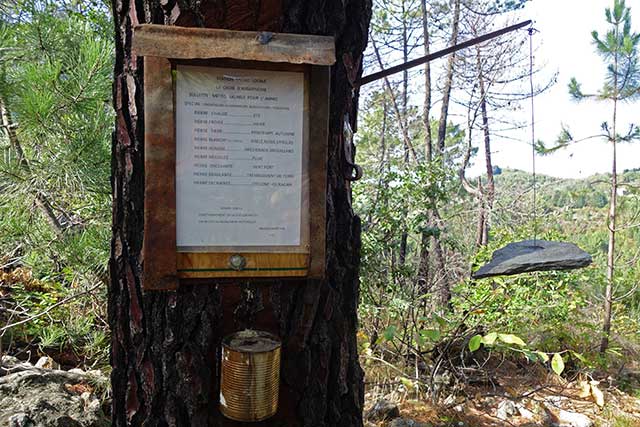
(564, 45)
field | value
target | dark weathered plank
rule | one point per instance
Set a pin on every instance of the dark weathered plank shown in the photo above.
(318, 140)
(159, 247)
(200, 43)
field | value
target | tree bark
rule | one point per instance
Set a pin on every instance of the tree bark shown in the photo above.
(164, 348)
(405, 99)
(426, 106)
(443, 293)
(446, 91)
(486, 203)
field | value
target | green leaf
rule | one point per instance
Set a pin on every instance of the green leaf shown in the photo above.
(432, 334)
(511, 339)
(490, 338)
(614, 351)
(557, 364)
(389, 333)
(542, 356)
(580, 357)
(407, 383)
(441, 321)
(474, 342)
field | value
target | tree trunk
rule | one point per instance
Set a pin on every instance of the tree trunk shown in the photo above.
(443, 293)
(490, 188)
(405, 100)
(446, 91)
(164, 344)
(426, 106)
(611, 251)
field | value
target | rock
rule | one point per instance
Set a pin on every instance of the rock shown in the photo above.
(562, 418)
(534, 255)
(45, 362)
(20, 420)
(40, 398)
(383, 410)
(556, 401)
(574, 419)
(406, 422)
(9, 361)
(9, 364)
(506, 410)
(525, 413)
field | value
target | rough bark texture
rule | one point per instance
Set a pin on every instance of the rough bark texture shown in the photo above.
(164, 345)
(489, 190)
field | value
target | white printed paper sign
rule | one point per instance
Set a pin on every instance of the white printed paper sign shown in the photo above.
(238, 157)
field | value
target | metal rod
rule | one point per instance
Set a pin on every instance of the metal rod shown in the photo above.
(415, 62)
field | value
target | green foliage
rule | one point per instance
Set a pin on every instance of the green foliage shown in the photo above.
(55, 89)
(618, 48)
(513, 343)
(575, 90)
(557, 364)
(58, 98)
(546, 318)
(501, 6)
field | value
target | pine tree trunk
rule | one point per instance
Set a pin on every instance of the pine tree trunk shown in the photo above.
(443, 292)
(448, 84)
(490, 187)
(164, 344)
(425, 238)
(611, 251)
(405, 100)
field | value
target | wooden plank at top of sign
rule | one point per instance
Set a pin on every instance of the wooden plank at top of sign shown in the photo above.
(201, 43)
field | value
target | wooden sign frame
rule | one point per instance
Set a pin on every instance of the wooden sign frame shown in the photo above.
(166, 47)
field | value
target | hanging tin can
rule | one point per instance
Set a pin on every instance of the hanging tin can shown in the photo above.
(250, 376)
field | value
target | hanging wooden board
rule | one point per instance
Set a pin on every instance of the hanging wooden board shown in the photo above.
(235, 154)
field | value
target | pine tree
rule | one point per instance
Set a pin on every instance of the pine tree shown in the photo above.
(165, 370)
(618, 49)
(55, 66)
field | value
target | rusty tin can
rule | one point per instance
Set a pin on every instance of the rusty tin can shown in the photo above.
(250, 375)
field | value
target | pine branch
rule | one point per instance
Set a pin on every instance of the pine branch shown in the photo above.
(42, 201)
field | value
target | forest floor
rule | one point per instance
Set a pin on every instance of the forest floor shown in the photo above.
(524, 397)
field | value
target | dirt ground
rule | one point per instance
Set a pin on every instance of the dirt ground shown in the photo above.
(536, 398)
